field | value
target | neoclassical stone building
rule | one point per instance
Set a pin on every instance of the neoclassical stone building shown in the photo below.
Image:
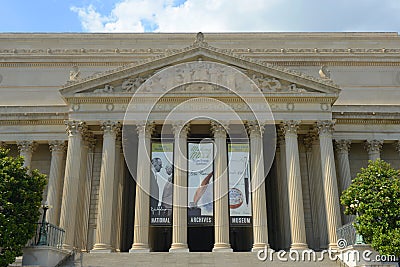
(334, 98)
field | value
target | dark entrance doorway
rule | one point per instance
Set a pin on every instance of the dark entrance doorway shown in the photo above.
(160, 238)
(201, 238)
(241, 238)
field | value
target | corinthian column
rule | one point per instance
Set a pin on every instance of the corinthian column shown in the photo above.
(325, 129)
(259, 205)
(311, 171)
(179, 220)
(75, 130)
(283, 193)
(91, 143)
(142, 202)
(80, 208)
(26, 149)
(296, 209)
(54, 190)
(316, 190)
(374, 149)
(342, 153)
(221, 201)
(106, 191)
(118, 187)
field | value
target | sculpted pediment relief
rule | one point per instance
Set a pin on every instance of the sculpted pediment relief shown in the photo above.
(264, 83)
(127, 79)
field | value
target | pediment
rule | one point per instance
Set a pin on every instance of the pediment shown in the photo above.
(127, 79)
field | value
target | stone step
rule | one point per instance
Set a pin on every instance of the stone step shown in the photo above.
(193, 259)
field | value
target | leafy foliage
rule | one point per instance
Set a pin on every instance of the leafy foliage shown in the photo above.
(20, 200)
(374, 195)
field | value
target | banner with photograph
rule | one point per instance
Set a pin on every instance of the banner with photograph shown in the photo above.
(239, 184)
(161, 183)
(200, 184)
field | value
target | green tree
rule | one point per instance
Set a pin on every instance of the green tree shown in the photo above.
(374, 195)
(20, 200)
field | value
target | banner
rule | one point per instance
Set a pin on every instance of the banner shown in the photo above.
(200, 184)
(239, 184)
(161, 183)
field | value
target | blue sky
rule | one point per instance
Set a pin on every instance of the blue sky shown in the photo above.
(198, 15)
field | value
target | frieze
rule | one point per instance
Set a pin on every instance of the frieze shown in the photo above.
(150, 51)
(132, 84)
(368, 121)
(265, 83)
(108, 89)
(271, 98)
(32, 122)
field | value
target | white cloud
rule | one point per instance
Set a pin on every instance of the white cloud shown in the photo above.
(240, 15)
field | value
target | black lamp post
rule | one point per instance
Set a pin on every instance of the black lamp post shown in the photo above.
(43, 229)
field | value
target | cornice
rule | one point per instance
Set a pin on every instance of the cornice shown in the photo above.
(62, 64)
(368, 121)
(335, 63)
(273, 98)
(367, 115)
(339, 121)
(151, 51)
(32, 122)
(294, 61)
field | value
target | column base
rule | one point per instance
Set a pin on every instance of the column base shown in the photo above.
(333, 246)
(179, 247)
(261, 246)
(299, 246)
(139, 248)
(67, 247)
(102, 248)
(222, 247)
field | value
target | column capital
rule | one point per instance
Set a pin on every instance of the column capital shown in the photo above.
(145, 128)
(110, 127)
(180, 128)
(57, 145)
(27, 146)
(342, 145)
(396, 145)
(219, 130)
(255, 129)
(280, 135)
(88, 140)
(373, 145)
(308, 142)
(325, 127)
(75, 127)
(3, 144)
(290, 127)
(91, 143)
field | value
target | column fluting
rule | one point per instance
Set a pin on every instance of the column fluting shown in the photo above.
(325, 129)
(54, 188)
(259, 204)
(142, 202)
(106, 192)
(296, 209)
(221, 201)
(180, 194)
